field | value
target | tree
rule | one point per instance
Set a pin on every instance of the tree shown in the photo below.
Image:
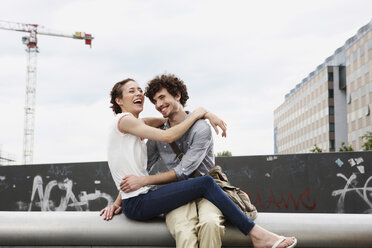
(345, 148)
(224, 154)
(368, 144)
(316, 149)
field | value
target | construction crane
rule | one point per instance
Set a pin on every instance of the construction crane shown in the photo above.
(32, 49)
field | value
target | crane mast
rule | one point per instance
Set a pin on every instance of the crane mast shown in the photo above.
(29, 111)
(32, 50)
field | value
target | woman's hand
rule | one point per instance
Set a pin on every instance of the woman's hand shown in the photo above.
(109, 211)
(131, 183)
(215, 122)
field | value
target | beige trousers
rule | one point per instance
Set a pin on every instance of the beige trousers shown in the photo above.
(196, 224)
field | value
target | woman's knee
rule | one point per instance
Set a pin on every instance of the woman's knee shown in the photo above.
(208, 180)
(136, 216)
(134, 213)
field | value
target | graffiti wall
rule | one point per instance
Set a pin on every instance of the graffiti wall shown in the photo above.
(314, 183)
(56, 187)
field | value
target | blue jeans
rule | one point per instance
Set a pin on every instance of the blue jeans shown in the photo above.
(174, 195)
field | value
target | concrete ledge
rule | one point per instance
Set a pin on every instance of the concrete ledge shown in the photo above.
(88, 229)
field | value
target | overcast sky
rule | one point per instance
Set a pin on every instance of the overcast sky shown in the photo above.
(237, 58)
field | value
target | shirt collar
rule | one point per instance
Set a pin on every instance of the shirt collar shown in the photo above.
(167, 125)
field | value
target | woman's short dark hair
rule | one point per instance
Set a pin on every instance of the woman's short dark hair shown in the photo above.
(171, 83)
(116, 92)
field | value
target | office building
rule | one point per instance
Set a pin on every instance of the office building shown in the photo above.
(332, 104)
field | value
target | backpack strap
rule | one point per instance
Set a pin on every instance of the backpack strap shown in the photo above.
(179, 155)
(176, 150)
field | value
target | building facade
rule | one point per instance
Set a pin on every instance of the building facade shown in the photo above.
(331, 106)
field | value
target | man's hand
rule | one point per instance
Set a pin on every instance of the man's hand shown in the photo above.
(131, 183)
(215, 122)
(109, 211)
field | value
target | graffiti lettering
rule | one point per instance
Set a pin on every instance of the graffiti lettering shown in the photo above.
(285, 202)
(271, 158)
(351, 187)
(60, 171)
(67, 200)
(3, 185)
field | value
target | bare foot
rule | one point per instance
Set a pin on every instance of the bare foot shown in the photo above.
(261, 238)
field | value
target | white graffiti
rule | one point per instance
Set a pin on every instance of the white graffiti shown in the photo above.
(271, 158)
(355, 161)
(364, 192)
(67, 200)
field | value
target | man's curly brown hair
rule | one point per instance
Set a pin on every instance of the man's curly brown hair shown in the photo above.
(171, 83)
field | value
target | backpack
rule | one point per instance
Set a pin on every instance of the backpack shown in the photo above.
(238, 196)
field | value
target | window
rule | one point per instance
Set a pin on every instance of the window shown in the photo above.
(351, 78)
(331, 127)
(331, 110)
(348, 98)
(353, 136)
(366, 68)
(355, 55)
(360, 132)
(330, 76)
(370, 86)
(332, 144)
(367, 110)
(360, 113)
(359, 73)
(352, 116)
(356, 95)
(347, 60)
(369, 44)
(330, 93)
(361, 50)
(363, 90)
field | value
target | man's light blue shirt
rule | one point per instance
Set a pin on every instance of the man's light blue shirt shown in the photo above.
(196, 145)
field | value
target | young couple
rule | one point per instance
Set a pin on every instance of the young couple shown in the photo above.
(195, 206)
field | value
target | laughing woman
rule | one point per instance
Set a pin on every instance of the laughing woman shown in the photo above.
(127, 155)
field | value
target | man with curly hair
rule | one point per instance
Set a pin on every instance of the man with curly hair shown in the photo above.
(198, 223)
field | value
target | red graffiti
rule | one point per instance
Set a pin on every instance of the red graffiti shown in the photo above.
(282, 201)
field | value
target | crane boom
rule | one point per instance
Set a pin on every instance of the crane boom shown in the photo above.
(15, 26)
(32, 50)
(37, 29)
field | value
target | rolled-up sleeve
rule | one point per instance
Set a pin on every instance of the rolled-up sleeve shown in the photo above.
(152, 154)
(199, 144)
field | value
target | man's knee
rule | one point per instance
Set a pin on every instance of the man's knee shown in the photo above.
(184, 215)
(181, 227)
(211, 222)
